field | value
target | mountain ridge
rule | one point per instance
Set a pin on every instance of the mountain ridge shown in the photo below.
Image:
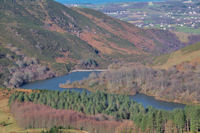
(57, 39)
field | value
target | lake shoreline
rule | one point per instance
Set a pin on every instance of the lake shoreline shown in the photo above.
(89, 70)
(64, 86)
(171, 101)
(56, 84)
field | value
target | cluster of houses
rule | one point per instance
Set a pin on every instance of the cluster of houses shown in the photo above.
(184, 14)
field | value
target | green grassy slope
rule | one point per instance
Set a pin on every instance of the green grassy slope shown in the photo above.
(23, 26)
(190, 54)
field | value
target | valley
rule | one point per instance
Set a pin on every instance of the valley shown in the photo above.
(177, 15)
(131, 67)
(59, 39)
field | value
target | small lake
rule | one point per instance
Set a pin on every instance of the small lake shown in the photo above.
(53, 84)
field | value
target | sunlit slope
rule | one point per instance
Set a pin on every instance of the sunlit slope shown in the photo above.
(190, 54)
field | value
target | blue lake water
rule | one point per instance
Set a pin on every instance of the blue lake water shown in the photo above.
(53, 84)
(102, 1)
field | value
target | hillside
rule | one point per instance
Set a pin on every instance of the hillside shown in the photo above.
(41, 39)
(189, 55)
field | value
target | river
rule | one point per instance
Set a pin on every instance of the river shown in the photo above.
(53, 84)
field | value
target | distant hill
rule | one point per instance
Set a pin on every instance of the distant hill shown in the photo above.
(42, 38)
(187, 55)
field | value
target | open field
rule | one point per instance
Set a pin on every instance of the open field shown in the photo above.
(10, 123)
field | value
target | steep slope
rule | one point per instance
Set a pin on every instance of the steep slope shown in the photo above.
(189, 55)
(42, 37)
(123, 33)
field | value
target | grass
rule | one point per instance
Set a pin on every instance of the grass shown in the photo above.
(148, 21)
(191, 48)
(6, 116)
(121, 42)
(183, 37)
(161, 59)
(189, 53)
(31, 30)
(186, 29)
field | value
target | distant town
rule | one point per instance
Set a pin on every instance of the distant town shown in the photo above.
(181, 16)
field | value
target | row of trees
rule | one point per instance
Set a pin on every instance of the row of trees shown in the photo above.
(119, 106)
(30, 115)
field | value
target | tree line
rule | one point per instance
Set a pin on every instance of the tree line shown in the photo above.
(118, 106)
(170, 85)
(30, 115)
